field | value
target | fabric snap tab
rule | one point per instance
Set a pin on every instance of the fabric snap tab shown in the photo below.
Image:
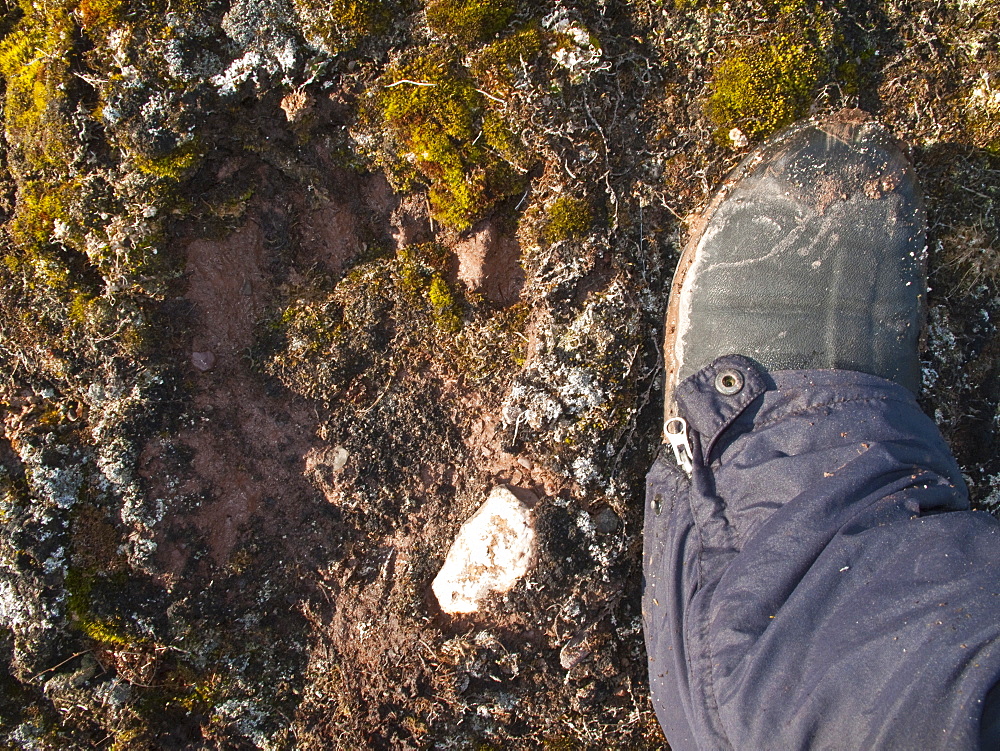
(729, 381)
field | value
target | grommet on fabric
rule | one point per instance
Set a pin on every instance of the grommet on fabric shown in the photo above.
(729, 381)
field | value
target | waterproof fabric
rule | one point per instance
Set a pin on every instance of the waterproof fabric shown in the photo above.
(818, 582)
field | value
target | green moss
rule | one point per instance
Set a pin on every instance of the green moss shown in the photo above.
(849, 76)
(99, 17)
(136, 340)
(433, 110)
(491, 345)
(47, 270)
(444, 306)
(105, 632)
(47, 227)
(469, 21)
(431, 105)
(390, 311)
(500, 137)
(338, 26)
(322, 344)
(496, 65)
(196, 693)
(982, 114)
(417, 265)
(568, 217)
(90, 312)
(173, 166)
(94, 553)
(128, 738)
(41, 205)
(420, 273)
(79, 585)
(34, 62)
(765, 85)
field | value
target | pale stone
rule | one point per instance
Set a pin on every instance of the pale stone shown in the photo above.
(203, 361)
(296, 104)
(491, 553)
(339, 458)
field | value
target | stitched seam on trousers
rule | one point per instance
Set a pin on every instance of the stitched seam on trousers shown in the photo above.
(708, 676)
(825, 405)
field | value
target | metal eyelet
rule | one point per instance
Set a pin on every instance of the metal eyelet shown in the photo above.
(729, 381)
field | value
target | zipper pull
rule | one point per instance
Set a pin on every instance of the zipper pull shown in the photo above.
(675, 430)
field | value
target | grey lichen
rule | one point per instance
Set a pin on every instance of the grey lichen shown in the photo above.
(575, 396)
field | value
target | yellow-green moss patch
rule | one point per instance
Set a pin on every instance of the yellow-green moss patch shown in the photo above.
(765, 84)
(761, 87)
(568, 217)
(444, 306)
(495, 66)
(388, 311)
(99, 17)
(42, 206)
(339, 25)
(34, 62)
(79, 586)
(173, 166)
(469, 21)
(432, 109)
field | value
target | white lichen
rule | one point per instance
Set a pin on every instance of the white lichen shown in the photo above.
(263, 32)
(577, 50)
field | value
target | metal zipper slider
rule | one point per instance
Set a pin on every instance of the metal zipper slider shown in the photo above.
(675, 430)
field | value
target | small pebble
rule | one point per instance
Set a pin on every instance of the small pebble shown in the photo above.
(575, 651)
(203, 361)
(606, 521)
(339, 458)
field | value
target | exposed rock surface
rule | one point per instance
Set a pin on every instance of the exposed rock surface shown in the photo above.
(489, 262)
(491, 552)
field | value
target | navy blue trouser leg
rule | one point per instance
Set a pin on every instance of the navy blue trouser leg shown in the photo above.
(819, 581)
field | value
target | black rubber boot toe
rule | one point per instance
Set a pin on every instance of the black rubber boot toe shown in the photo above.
(812, 255)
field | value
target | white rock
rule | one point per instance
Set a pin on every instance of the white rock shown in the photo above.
(339, 457)
(203, 361)
(492, 551)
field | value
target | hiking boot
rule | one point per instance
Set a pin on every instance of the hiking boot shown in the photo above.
(810, 256)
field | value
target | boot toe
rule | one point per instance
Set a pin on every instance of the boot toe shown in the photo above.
(811, 256)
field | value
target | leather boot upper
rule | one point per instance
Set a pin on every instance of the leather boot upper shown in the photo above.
(811, 256)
